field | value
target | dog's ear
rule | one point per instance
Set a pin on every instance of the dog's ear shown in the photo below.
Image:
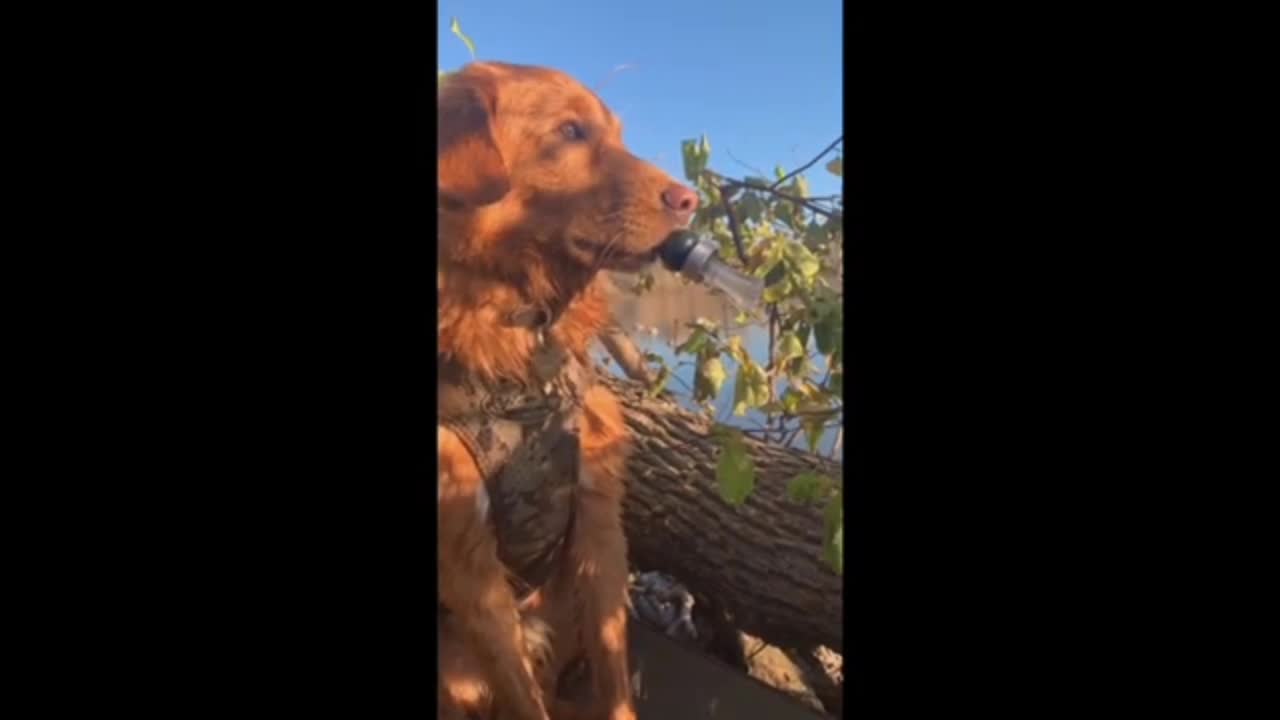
(470, 166)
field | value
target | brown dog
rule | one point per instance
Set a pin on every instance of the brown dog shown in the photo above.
(538, 195)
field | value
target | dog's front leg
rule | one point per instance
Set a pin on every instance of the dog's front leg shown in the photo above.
(598, 557)
(474, 587)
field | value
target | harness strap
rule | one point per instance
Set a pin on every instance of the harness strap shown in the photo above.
(524, 439)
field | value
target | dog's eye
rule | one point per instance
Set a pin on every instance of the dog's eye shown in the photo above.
(573, 131)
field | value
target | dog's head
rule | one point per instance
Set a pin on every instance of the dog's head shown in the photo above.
(531, 162)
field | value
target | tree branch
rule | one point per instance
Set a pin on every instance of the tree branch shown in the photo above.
(755, 170)
(628, 356)
(762, 560)
(729, 184)
(807, 165)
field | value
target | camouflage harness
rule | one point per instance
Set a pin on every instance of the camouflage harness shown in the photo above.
(524, 438)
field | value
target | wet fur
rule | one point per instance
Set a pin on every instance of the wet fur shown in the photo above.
(514, 198)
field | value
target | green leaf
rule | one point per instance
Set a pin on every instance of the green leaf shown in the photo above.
(728, 249)
(456, 29)
(772, 272)
(799, 187)
(791, 356)
(808, 486)
(779, 172)
(694, 161)
(798, 367)
(836, 384)
(759, 385)
(735, 472)
(696, 154)
(833, 521)
(776, 292)
(789, 347)
(791, 401)
(698, 342)
(710, 378)
(805, 262)
(740, 403)
(833, 514)
(811, 393)
(835, 549)
(750, 207)
(660, 382)
(750, 387)
(804, 331)
(784, 212)
(815, 234)
(814, 428)
(836, 167)
(827, 330)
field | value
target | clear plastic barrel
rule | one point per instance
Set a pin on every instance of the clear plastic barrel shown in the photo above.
(745, 291)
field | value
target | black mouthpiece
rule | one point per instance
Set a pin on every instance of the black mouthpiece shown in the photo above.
(676, 248)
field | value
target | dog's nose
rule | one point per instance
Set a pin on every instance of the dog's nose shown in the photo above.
(681, 201)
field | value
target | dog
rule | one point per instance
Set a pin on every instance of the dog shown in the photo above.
(538, 199)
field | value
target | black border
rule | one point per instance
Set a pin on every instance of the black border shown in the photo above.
(260, 400)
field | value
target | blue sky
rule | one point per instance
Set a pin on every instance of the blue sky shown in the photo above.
(762, 79)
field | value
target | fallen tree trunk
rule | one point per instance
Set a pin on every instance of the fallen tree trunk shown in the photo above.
(761, 561)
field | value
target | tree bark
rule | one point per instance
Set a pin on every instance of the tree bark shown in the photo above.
(761, 561)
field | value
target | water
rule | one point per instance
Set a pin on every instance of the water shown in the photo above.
(657, 321)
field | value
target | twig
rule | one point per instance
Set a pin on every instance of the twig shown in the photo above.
(755, 170)
(728, 183)
(814, 413)
(733, 224)
(795, 432)
(789, 435)
(615, 71)
(807, 165)
(686, 385)
(760, 428)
